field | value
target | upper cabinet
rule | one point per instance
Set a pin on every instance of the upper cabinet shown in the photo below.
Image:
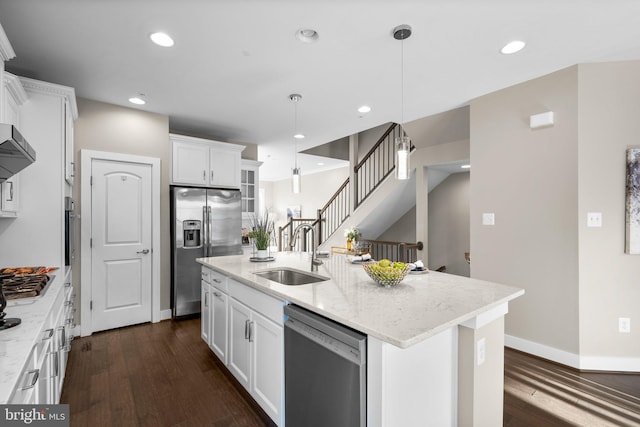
(13, 96)
(203, 162)
(249, 180)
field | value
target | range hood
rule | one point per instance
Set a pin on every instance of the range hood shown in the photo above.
(15, 153)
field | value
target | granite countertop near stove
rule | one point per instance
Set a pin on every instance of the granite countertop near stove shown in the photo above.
(421, 306)
(16, 343)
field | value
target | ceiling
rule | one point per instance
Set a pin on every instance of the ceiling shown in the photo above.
(235, 62)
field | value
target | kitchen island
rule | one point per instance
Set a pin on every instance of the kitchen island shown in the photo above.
(435, 342)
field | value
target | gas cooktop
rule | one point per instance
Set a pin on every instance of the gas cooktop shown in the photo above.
(25, 286)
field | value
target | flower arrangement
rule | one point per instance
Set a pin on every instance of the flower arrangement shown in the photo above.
(261, 228)
(352, 233)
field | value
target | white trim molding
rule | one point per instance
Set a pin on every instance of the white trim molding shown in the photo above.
(14, 86)
(44, 87)
(85, 249)
(587, 363)
(6, 51)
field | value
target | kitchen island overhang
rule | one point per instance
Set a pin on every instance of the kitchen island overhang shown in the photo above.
(424, 335)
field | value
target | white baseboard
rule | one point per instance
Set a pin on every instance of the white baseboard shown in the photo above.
(165, 314)
(588, 363)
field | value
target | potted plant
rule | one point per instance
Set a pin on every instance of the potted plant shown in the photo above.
(261, 228)
(352, 234)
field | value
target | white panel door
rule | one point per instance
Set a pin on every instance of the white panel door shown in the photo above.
(121, 233)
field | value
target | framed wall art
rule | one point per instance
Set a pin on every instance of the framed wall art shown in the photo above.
(632, 241)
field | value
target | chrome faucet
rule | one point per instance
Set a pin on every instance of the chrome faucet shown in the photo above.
(315, 262)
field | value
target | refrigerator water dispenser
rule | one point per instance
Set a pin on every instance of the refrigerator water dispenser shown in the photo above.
(191, 232)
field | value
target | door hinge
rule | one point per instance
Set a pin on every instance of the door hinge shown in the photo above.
(91, 180)
(91, 242)
(90, 305)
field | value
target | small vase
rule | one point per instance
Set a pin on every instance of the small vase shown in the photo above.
(262, 253)
(349, 244)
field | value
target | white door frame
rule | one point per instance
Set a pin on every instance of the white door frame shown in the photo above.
(87, 156)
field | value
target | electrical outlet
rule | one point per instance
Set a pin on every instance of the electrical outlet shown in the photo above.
(481, 351)
(624, 325)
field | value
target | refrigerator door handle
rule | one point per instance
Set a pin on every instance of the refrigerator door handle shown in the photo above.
(209, 236)
(205, 232)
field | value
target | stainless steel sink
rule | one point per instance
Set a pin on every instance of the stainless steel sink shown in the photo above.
(290, 276)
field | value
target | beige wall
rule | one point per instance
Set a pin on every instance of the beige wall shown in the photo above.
(317, 188)
(609, 107)
(449, 224)
(403, 230)
(107, 127)
(529, 179)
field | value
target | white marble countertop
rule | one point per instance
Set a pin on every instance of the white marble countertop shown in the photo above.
(16, 343)
(419, 307)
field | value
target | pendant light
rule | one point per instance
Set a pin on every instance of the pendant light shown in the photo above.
(403, 143)
(295, 176)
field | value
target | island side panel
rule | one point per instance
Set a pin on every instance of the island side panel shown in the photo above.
(416, 386)
(481, 373)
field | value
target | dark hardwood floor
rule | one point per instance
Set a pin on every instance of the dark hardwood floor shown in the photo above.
(163, 374)
(159, 374)
(542, 393)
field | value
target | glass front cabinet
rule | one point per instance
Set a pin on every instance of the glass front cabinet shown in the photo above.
(249, 187)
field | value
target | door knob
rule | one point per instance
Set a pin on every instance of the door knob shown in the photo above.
(144, 251)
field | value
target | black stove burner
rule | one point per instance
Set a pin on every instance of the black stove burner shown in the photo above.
(25, 286)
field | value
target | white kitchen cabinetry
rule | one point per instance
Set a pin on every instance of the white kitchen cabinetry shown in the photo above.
(256, 346)
(247, 335)
(69, 162)
(202, 162)
(249, 181)
(205, 311)
(13, 97)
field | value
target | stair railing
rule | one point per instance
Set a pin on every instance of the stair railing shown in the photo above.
(376, 165)
(334, 213)
(394, 251)
(285, 233)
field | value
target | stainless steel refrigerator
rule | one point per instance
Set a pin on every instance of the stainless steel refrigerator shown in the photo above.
(204, 222)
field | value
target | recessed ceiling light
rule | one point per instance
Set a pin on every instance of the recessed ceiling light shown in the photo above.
(307, 35)
(138, 99)
(513, 47)
(162, 39)
(298, 136)
(364, 109)
(465, 166)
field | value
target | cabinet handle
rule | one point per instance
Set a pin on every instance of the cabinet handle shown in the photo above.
(211, 176)
(217, 280)
(68, 303)
(64, 335)
(50, 331)
(217, 294)
(204, 175)
(34, 379)
(57, 363)
(250, 331)
(246, 329)
(10, 199)
(206, 299)
(73, 169)
(67, 285)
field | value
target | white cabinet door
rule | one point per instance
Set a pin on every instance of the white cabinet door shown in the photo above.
(9, 194)
(205, 311)
(239, 345)
(225, 168)
(190, 163)
(267, 359)
(219, 324)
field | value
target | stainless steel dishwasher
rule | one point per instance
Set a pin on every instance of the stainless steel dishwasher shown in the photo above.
(325, 372)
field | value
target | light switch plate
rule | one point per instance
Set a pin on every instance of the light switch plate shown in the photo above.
(624, 325)
(481, 351)
(488, 219)
(594, 219)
